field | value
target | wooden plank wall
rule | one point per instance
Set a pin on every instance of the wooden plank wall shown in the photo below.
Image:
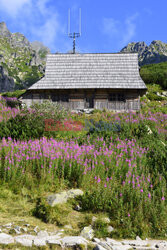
(85, 99)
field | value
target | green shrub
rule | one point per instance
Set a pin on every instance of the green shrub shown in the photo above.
(100, 227)
(55, 215)
(30, 123)
(155, 73)
(154, 97)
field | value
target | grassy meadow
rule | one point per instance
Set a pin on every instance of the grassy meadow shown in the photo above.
(119, 160)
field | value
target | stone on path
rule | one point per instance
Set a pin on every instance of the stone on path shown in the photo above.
(71, 241)
(6, 239)
(25, 240)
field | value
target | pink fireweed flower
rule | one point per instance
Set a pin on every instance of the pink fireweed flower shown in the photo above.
(149, 195)
(128, 215)
(141, 190)
(105, 185)
(163, 198)
(99, 180)
(95, 177)
(120, 194)
(107, 179)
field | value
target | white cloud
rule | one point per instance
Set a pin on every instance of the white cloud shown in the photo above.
(130, 28)
(12, 7)
(120, 31)
(38, 18)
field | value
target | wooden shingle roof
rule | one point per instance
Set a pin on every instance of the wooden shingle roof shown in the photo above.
(74, 71)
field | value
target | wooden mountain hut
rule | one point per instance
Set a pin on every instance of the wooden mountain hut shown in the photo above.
(81, 81)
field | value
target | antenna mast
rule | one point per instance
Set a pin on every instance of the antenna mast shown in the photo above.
(74, 35)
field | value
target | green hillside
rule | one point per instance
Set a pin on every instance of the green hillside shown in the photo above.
(155, 73)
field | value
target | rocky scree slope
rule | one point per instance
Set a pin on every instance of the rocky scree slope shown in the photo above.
(156, 52)
(21, 63)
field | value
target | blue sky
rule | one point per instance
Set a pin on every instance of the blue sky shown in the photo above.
(107, 25)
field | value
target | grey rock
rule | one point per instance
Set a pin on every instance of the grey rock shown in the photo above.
(99, 247)
(57, 198)
(161, 245)
(140, 243)
(62, 197)
(71, 241)
(54, 237)
(6, 82)
(36, 229)
(4, 30)
(149, 132)
(125, 247)
(27, 225)
(164, 93)
(112, 242)
(9, 225)
(138, 238)
(96, 240)
(110, 229)
(156, 52)
(15, 49)
(78, 208)
(25, 240)
(72, 193)
(6, 239)
(87, 233)
(42, 234)
(53, 242)
(39, 241)
(25, 229)
(106, 220)
(17, 231)
(105, 245)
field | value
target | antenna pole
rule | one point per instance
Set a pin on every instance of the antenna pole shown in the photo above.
(74, 35)
(80, 21)
(69, 22)
(74, 43)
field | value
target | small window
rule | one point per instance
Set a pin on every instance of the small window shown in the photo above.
(121, 97)
(65, 98)
(112, 97)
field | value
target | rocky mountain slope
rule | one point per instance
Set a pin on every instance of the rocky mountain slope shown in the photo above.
(21, 63)
(156, 52)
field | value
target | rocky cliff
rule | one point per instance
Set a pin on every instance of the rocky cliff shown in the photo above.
(21, 63)
(156, 52)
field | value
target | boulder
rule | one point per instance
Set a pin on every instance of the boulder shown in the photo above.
(98, 247)
(39, 241)
(25, 240)
(161, 245)
(72, 241)
(106, 220)
(72, 193)
(87, 233)
(6, 239)
(42, 234)
(110, 229)
(62, 197)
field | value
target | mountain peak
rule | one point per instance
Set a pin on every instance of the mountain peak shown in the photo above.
(156, 52)
(4, 30)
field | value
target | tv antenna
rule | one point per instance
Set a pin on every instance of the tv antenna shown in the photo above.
(74, 35)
